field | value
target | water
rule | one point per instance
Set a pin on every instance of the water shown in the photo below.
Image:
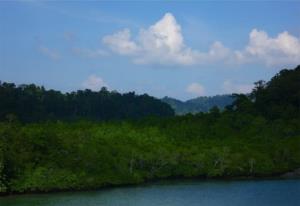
(175, 193)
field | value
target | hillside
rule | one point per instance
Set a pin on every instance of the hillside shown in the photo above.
(30, 103)
(199, 104)
(258, 135)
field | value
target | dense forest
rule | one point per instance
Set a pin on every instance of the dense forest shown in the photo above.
(31, 103)
(199, 104)
(257, 135)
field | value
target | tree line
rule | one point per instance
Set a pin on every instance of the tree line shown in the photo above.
(31, 103)
(258, 135)
(278, 98)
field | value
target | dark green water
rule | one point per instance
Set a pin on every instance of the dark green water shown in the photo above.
(175, 193)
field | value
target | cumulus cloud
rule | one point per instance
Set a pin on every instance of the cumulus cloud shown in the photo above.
(231, 87)
(217, 53)
(195, 89)
(94, 83)
(162, 43)
(282, 49)
(89, 53)
(52, 54)
(120, 42)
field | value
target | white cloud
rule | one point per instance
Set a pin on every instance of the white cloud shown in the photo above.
(52, 54)
(162, 43)
(217, 53)
(230, 87)
(195, 89)
(283, 49)
(120, 42)
(94, 83)
(89, 53)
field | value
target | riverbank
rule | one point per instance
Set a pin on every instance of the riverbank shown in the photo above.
(291, 174)
(294, 174)
(174, 193)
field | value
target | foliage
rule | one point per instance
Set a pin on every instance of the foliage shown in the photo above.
(277, 99)
(258, 135)
(81, 155)
(30, 103)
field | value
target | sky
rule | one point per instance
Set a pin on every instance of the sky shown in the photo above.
(180, 49)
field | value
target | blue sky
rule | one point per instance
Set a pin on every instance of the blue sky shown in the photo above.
(177, 49)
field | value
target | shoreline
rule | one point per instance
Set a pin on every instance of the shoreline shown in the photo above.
(293, 174)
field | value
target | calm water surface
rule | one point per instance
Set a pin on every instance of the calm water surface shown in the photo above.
(175, 193)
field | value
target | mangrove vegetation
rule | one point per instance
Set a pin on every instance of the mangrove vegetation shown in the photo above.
(51, 141)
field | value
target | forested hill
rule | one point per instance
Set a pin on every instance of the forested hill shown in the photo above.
(278, 98)
(257, 135)
(199, 104)
(31, 103)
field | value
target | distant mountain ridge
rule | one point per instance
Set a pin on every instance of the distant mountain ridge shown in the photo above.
(199, 104)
